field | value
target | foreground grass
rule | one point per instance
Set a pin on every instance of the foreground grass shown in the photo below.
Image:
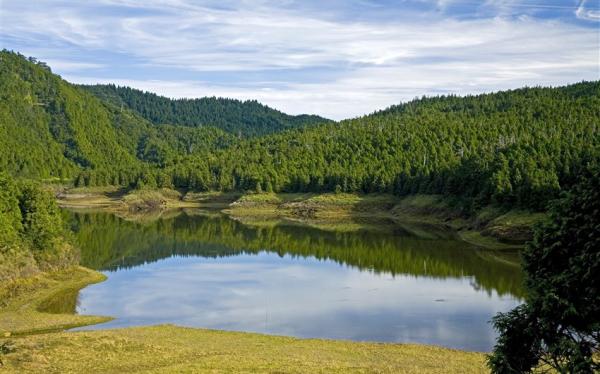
(23, 302)
(172, 349)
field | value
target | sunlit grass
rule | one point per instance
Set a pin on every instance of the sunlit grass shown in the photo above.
(260, 198)
(172, 349)
(23, 299)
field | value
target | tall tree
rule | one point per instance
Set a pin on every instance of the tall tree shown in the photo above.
(559, 324)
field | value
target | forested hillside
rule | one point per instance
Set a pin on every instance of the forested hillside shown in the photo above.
(242, 118)
(519, 147)
(516, 147)
(50, 128)
(47, 127)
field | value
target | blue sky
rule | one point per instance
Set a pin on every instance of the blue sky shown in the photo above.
(337, 58)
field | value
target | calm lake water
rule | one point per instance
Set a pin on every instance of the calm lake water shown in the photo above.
(384, 283)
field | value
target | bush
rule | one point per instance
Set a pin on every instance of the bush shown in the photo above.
(32, 233)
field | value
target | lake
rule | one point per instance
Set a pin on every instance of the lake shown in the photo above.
(371, 282)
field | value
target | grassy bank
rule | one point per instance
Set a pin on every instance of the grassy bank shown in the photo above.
(29, 305)
(310, 205)
(490, 227)
(122, 200)
(32, 341)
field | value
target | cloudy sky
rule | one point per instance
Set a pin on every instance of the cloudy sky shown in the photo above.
(337, 58)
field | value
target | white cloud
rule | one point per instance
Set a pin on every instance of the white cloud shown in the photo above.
(584, 13)
(71, 66)
(373, 63)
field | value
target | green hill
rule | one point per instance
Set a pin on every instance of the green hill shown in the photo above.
(50, 128)
(242, 118)
(518, 147)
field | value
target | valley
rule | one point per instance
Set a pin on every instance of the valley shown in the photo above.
(140, 232)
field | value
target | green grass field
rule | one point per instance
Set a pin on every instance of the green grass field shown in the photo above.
(172, 349)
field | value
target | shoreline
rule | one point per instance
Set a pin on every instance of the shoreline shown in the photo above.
(38, 311)
(490, 227)
(27, 300)
(26, 325)
(37, 342)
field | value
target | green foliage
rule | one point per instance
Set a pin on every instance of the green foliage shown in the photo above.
(52, 129)
(28, 115)
(42, 222)
(517, 148)
(514, 148)
(49, 128)
(10, 215)
(559, 325)
(32, 233)
(241, 118)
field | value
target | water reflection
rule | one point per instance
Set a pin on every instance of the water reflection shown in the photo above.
(211, 271)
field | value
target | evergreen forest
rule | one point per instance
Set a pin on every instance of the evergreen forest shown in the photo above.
(516, 148)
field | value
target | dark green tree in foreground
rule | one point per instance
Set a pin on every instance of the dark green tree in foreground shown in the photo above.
(559, 324)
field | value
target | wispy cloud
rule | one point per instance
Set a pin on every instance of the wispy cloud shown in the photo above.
(587, 14)
(304, 56)
(72, 66)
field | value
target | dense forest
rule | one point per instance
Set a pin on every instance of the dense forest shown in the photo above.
(241, 118)
(518, 147)
(52, 129)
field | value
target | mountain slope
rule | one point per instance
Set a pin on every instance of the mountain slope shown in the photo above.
(519, 147)
(245, 118)
(50, 128)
